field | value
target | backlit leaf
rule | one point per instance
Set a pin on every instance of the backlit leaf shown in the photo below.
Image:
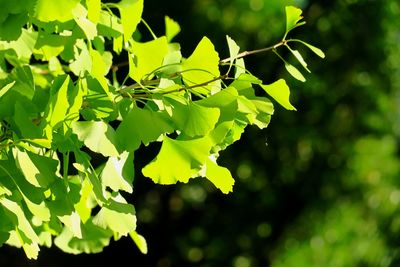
(294, 72)
(142, 125)
(293, 16)
(117, 216)
(94, 7)
(193, 119)
(50, 10)
(219, 176)
(178, 160)
(131, 13)
(118, 172)
(316, 50)
(97, 136)
(202, 67)
(280, 92)
(172, 28)
(147, 57)
(140, 241)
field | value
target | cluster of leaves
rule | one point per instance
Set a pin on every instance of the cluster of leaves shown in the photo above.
(61, 104)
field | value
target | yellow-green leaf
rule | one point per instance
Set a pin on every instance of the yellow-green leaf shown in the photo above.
(146, 58)
(178, 160)
(131, 14)
(172, 28)
(220, 176)
(280, 92)
(202, 67)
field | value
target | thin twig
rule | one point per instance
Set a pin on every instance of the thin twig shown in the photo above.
(252, 52)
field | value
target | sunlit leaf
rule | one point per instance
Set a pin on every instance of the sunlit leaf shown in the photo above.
(193, 119)
(94, 8)
(142, 125)
(178, 160)
(280, 92)
(5, 88)
(293, 16)
(147, 57)
(131, 13)
(202, 67)
(219, 176)
(118, 172)
(299, 57)
(50, 10)
(58, 104)
(233, 50)
(316, 50)
(294, 72)
(172, 28)
(80, 16)
(117, 216)
(97, 136)
(139, 241)
(23, 225)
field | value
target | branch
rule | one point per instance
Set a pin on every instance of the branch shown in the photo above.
(133, 95)
(252, 52)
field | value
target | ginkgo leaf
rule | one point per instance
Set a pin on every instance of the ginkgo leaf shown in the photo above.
(142, 125)
(21, 222)
(294, 72)
(280, 92)
(314, 49)
(147, 57)
(118, 172)
(299, 57)
(82, 207)
(97, 136)
(96, 238)
(293, 16)
(94, 8)
(5, 88)
(131, 14)
(220, 176)
(50, 10)
(178, 160)
(80, 16)
(233, 50)
(73, 223)
(117, 216)
(140, 241)
(202, 67)
(39, 170)
(193, 119)
(172, 28)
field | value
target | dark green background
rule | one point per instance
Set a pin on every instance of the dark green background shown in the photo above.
(318, 187)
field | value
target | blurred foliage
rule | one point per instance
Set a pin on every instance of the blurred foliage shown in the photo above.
(321, 186)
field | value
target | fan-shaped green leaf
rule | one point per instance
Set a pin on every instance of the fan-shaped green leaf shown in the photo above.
(97, 136)
(118, 172)
(172, 28)
(50, 10)
(202, 67)
(142, 125)
(194, 119)
(117, 216)
(293, 16)
(221, 177)
(280, 92)
(146, 58)
(139, 241)
(131, 14)
(178, 160)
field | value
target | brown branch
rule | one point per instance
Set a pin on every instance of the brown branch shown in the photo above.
(133, 95)
(252, 52)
